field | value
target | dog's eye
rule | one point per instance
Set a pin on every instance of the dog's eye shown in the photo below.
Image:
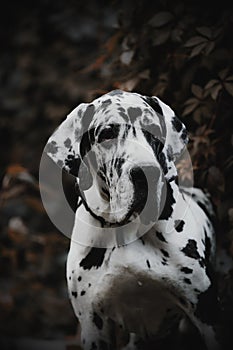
(109, 132)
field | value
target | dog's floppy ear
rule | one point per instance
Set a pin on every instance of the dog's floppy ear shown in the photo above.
(173, 130)
(174, 135)
(63, 146)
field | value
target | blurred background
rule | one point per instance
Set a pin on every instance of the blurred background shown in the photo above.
(57, 54)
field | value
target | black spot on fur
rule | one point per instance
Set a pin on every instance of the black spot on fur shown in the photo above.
(165, 253)
(79, 278)
(67, 142)
(97, 320)
(154, 104)
(118, 165)
(94, 258)
(134, 113)
(167, 209)
(160, 237)
(163, 162)
(186, 270)
(190, 249)
(179, 225)
(73, 163)
(83, 292)
(115, 92)
(164, 261)
(51, 147)
(87, 116)
(148, 263)
(187, 281)
(74, 294)
(176, 124)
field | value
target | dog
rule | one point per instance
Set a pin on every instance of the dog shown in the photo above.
(153, 266)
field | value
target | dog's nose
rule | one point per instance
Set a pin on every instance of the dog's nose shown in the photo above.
(144, 180)
(144, 176)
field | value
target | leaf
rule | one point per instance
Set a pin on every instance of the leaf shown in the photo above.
(223, 74)
(189, 109)
(230, 78)
(196, 40)
(197, 91)
(191, 100)
(229, 88)
(126, 57)
(211, 83)
(198, 49)
(161, 37)
(209, 47)
(205, 31)
(215, 91)
(160, 19)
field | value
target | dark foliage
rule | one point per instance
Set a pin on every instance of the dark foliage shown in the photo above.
(56, 54)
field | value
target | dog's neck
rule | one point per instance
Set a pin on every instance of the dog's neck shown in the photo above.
(90, 230)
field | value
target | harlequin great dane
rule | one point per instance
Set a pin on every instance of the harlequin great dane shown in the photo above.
(122, 149)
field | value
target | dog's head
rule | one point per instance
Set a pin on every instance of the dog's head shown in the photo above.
(121, 148)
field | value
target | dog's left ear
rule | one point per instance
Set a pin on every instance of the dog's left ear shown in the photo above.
(174, 134)
(63, 147)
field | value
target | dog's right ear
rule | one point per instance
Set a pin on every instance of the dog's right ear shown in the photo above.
(63, 146)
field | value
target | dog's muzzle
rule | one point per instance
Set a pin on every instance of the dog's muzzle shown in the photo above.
(145, 180)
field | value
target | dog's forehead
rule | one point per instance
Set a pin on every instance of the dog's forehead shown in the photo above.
(124, 108)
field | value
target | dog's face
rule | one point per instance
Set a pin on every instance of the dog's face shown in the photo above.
(122, 149)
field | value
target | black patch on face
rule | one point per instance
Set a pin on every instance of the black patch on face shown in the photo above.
(97, 320)
(134, 113)
(73, 163)
(190, 249)
(167, 209)
(165, 253)
(151, 101)
(187, 281)
(74, 294)
(79, 278)
(176, 123)
(186, 270)
(88, 116)
(179, 224)
(51, 147)
(83, 292)
(154, 143)
(123, 114)
(160, 237)
(109, 132)
(148, 263)
(164, 261)
(94, 258)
